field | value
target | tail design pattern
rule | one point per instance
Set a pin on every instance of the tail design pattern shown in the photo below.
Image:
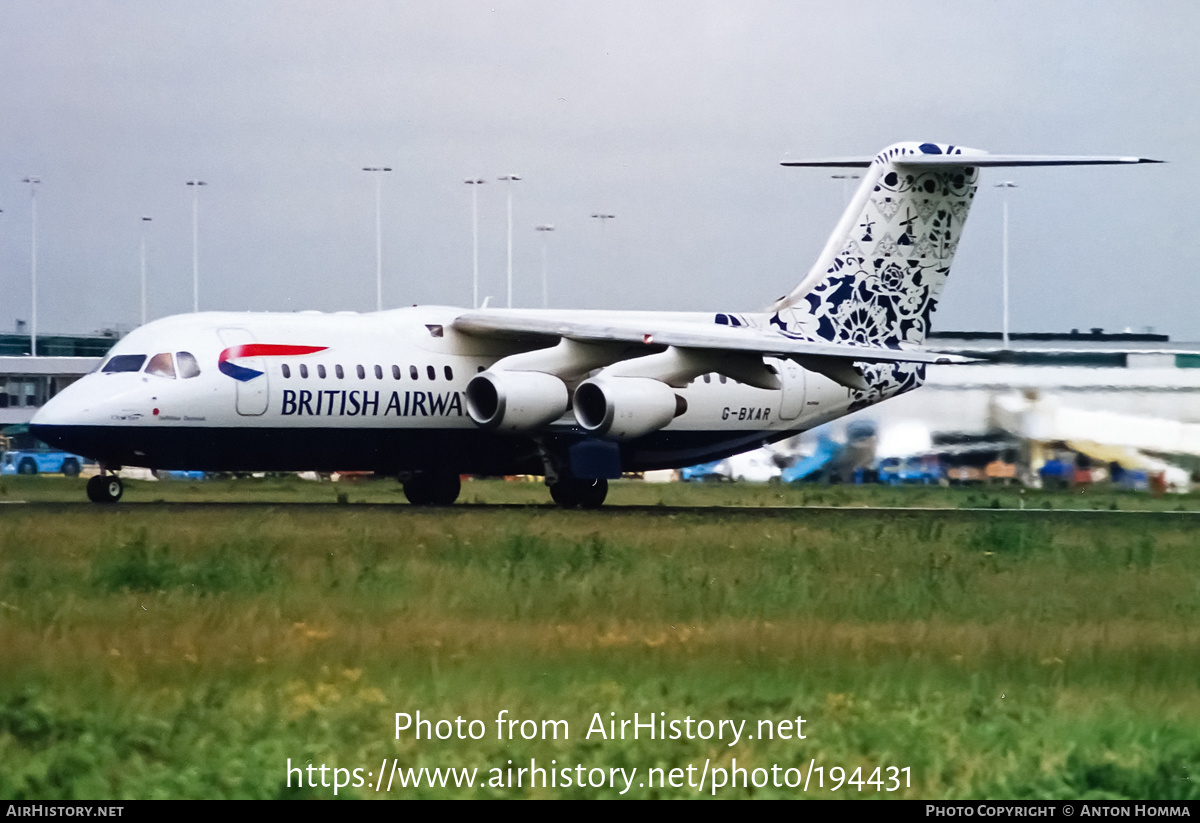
(882, 285)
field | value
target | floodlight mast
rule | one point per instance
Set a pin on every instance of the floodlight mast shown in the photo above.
(510, 179)
(145, 220)
(1007, 184)
(545, 228)
(603, 218)
(475, 183)
(196, 184)
(378, 234)
(33, 183)
(845, 178)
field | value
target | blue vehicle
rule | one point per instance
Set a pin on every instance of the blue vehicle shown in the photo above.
(808, 468)
(25, 454)
(894, 471)
(704, 471)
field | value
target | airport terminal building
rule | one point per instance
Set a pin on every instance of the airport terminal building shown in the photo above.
(1124, 373)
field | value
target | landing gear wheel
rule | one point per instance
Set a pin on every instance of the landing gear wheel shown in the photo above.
(572, 493)
(447, 489)
(105, 488)
(416, 489)
(432, 489)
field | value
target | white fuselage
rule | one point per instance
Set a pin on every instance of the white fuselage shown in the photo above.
(382, 391)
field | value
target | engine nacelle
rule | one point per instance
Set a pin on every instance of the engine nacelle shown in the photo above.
(515, 401)
(625, 407)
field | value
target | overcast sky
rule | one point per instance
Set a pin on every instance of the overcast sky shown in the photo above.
(673, 116)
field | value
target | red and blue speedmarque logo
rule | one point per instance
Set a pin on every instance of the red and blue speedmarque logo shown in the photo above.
(243, 373)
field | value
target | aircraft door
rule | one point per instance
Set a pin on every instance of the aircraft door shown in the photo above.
(252, 390)
(791, 401)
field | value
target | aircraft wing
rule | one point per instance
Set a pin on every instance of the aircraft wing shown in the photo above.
(685, 335)
(737, 352)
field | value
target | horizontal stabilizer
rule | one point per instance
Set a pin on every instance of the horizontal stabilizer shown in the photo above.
(833, 162)
(977, 160)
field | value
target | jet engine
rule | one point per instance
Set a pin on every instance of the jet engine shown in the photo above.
(625, 407)
(515, 401)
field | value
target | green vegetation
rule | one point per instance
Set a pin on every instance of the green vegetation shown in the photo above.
(531, 492)
(190, 651)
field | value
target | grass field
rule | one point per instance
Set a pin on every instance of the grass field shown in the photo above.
(191, 651)
(624, 493)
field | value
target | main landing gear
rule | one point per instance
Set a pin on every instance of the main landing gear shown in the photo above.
(105, 488)
(573, 493)
(432, 488)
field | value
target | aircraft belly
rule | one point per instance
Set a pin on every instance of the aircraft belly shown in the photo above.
(260, 448)
(387, 451)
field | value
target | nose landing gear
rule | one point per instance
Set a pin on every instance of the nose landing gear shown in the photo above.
(105, 488)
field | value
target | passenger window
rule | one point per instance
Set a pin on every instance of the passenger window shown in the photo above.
(286, 371)
(304, 371)
(362, 374)
(125, 362)
(430, 371)
(708, 378)
(338, 371)
(449, 374)
(396, 372)
(412, 372)
(188, 367)
(722, 378)
(379, 372)
(321, 371)
(162, 365)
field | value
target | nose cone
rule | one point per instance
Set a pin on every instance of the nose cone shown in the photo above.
(69, 417)
(68, 407)
(52, 421)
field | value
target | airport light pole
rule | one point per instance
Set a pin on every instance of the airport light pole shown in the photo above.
(510, 179)
(196, 184)
(1007, 184)
(378, 233)
(545, 229)
(33, 183)
(602, 218)
(845, 178)
(145, 220)
(475, 183)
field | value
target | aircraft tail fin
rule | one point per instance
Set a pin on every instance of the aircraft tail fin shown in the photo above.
(881, 273)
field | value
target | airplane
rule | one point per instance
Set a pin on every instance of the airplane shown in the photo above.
(430, 393)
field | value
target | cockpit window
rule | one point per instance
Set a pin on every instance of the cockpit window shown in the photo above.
(162, 365)
(188, 367)
(124, 362)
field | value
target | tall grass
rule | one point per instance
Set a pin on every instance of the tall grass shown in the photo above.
(190, 653)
